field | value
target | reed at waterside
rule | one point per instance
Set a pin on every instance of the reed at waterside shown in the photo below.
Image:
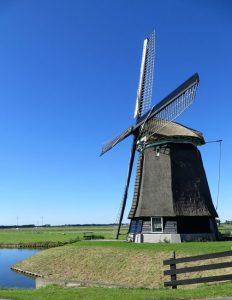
(36, 245)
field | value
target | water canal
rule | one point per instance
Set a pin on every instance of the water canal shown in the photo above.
(9, 278)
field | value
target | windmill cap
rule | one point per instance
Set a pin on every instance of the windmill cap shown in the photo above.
(176, 130)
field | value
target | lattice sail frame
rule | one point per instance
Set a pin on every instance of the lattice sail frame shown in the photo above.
(169, 113)
(144, 93)
(111, 143)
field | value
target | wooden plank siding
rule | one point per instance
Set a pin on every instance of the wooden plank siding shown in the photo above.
(146, 226)
(170, 226)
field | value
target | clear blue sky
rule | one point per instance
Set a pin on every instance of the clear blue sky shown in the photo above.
(68, 78)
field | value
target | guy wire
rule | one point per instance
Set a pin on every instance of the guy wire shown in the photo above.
(219, 168)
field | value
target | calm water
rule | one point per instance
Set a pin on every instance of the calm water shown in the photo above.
(11, 279)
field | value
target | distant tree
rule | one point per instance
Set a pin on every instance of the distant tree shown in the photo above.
(218, 221)
(228, 222)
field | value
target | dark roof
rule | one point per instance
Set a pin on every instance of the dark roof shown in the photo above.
(173, 129)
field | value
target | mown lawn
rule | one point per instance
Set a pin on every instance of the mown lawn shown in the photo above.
(193, 247)
(58, 293)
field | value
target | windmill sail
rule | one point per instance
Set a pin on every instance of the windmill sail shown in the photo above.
(143, 104)
(144, 93)
(170, 112)
(109, 145)
(125, 194)
(169, 108)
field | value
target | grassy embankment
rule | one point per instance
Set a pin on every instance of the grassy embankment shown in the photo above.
(116, 263)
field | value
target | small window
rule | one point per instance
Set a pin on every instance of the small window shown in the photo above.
(157, 151)
(157, 224)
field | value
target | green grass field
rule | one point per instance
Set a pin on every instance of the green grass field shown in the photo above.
(55, 234)
(226, 229)
(65, 234)
(120, 263)
(58, 293)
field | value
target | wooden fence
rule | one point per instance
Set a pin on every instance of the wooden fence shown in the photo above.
(174, 271)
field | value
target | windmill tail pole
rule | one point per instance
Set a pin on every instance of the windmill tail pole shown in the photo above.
(130, 166)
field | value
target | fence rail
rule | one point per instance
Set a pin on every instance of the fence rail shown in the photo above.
(174, 271)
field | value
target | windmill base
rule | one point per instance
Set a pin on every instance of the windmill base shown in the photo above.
(170, 238)
(173, 230)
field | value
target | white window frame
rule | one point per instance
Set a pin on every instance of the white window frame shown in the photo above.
(162, 226)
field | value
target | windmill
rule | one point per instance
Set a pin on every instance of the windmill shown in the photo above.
(171, 199)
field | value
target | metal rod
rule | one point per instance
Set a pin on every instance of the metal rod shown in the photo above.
(219, 167)
(217, 141)
(219, 172)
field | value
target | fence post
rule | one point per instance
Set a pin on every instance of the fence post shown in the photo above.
(173, 267)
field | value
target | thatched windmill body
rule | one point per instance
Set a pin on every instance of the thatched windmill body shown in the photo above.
(172, 200)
